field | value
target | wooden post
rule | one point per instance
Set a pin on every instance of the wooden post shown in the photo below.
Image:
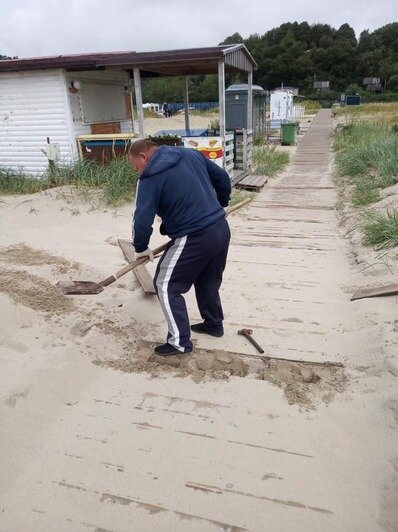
(186, 104)
(250, 100)
(132, 105)
(221, 96)
(138, 101)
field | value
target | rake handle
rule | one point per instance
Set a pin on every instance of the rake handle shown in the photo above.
(112, 278)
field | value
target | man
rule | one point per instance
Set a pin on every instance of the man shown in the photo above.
(166, 110)
(189, 193)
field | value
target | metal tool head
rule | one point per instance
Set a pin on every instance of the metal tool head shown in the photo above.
(245, 332)
(79, 287)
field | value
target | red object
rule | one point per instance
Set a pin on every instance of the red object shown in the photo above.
(213, 154)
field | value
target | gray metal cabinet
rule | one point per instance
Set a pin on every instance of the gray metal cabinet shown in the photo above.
(236, 108)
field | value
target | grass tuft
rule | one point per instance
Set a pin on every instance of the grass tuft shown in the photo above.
(16, 182)
(269, 161)
(239, 195)
(381, 230)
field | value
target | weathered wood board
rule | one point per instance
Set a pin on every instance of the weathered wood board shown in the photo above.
(141, 272)
(381, 291)
(252, 182)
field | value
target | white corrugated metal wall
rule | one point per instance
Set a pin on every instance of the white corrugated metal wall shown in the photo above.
(33, 106)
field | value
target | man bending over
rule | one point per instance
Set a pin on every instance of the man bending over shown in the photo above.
(189, 193)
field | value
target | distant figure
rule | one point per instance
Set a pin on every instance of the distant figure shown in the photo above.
(166, 110)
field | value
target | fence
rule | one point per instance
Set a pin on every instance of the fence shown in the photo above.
(298, 111)
(244, 149)
(197, 106)
(229, 153)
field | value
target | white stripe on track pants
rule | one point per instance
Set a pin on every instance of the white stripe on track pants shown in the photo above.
(198, 259)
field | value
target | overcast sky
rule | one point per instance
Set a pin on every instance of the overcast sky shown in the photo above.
(46, 27)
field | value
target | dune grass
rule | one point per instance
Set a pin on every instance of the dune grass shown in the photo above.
(239, 195)
(269, 161)
(368, 155)
(381, 229)
(16, 182)
(117, 180)
(381, 113)
(311, 106)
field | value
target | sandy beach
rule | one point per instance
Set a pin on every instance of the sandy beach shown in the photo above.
(99, 434)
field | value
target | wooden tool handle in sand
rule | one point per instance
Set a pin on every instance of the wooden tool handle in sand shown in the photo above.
(112, 278)
(238, 206)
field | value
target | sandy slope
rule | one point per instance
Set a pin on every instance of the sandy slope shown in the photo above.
(153, 125)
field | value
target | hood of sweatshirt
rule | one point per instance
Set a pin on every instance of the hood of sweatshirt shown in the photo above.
(164, 158)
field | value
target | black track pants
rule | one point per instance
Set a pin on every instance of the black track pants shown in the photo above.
(198, 260)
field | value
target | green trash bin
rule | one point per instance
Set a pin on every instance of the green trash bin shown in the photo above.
(288, 133)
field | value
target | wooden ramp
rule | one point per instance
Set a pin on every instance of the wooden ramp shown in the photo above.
(141, 272)
(252, 182)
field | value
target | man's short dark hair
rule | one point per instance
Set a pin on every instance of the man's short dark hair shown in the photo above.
(141, 146)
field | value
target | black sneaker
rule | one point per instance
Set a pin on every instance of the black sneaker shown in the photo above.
(166, 350)
(202, 328)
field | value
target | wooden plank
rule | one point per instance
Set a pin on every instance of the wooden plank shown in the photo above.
(293, 187)
(186, 104)
(249, 100)
(141, 272)
(221, 96)
(252, 183)
(266, 359)
(138, 101)
(381, 291)
(255, 179)
(238, 176)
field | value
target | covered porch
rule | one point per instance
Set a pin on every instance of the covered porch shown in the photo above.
(218, 60)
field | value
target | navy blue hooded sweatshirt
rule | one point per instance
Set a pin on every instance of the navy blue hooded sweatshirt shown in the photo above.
(184, 188)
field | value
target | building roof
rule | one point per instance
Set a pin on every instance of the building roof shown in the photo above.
(243, 87)
(188, 61)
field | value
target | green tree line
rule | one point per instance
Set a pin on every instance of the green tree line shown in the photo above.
(296, 54)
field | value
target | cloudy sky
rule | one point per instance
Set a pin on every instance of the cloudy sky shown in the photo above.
(46, 27)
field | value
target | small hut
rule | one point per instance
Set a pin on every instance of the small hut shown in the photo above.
(64, 106)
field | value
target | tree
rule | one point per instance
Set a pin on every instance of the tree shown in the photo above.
(392, 83)
(297, 53)
(235, 38)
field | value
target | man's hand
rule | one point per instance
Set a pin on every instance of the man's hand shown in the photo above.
(147, 253)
